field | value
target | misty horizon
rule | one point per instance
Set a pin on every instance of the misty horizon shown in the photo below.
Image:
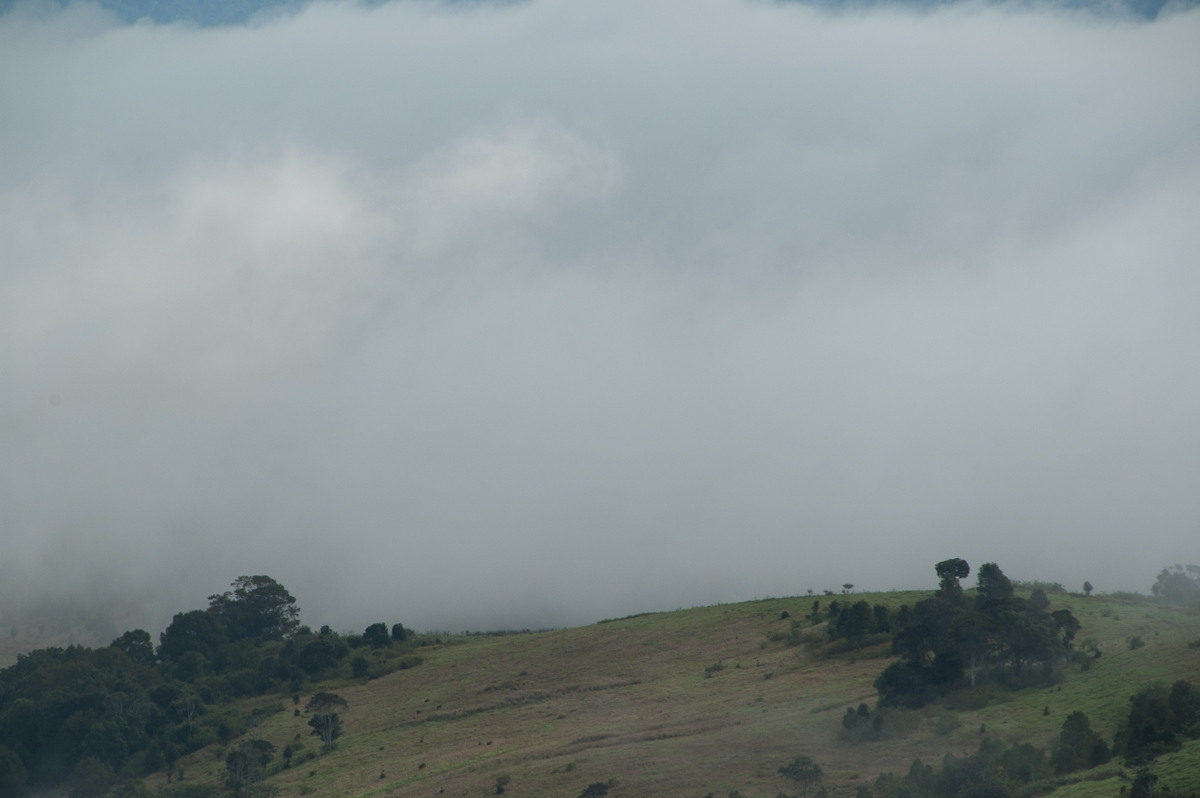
(528, 315)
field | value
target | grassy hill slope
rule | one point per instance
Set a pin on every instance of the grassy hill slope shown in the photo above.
(693, 702)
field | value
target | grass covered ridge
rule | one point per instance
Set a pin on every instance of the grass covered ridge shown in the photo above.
(698, 701)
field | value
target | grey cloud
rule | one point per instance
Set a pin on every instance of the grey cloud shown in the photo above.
(535, 314)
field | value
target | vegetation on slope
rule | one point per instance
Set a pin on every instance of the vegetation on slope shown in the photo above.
(731, 699)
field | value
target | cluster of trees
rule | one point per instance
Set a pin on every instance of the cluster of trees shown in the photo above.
(130, 708)
(1160, 719)
(1179, 584)
(948, 641)
(856, 623)
(997, 770)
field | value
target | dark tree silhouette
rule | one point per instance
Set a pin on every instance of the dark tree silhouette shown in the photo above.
(950, 572)
(802, 770)
(376, 635)
(257, 607)
(137, 645)
(326, 723)
(246, 764)
(196, 631)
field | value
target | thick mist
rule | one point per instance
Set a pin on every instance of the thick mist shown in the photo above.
(527, 315)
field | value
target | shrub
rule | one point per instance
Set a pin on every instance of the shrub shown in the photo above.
(803, 770)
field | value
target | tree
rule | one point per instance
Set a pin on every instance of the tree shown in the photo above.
(1179, 585)
(376, 636)
(90, 778)
(1068, 624)
(1143, 784)
(854, 622)
(1087, 588)
(399, 633)
(137, 645)
(325, 721)
(1078, 746)
(257, 607)
(949, 573)
(246, 764)
(321, 654)
(196, 631)
(802, 770)
(993, 586)
(12, 774)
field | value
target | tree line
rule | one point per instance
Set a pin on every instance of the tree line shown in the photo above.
(130, 708)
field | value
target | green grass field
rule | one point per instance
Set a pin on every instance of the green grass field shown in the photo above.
(693, 702)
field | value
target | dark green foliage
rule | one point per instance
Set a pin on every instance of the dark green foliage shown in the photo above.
(399, 633)
(246, 764)
(856, 622)
(196, 631)
(1159, 718)
(992, 772)
(90, 778)
(137, 645)
(594, 790)
(12, 774)
(950, 572)
(1078, 747)
(1067, 624)
(258, 607)
(376, 636)
(1179, 585)
(321, 654)
(993, 586)
(359, 667)
(861, 725)
(853, 623)
(944, 644)
(133, 712)
(802, 770)
(190, 790)
(326, 723)
(1143, 784)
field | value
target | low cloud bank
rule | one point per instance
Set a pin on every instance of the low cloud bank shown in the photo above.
(532, 315)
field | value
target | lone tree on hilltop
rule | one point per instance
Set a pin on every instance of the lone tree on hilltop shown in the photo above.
(949, 573)
(326, 723)
(257, 607)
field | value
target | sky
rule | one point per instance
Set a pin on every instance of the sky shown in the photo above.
(527, 315)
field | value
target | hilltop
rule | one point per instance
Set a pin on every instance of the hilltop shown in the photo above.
(699, 701)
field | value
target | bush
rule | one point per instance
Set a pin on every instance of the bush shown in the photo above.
(803, 770)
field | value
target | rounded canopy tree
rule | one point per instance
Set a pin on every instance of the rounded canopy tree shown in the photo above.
(257, 607)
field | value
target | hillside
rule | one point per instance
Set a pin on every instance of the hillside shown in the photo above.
(694, 702)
